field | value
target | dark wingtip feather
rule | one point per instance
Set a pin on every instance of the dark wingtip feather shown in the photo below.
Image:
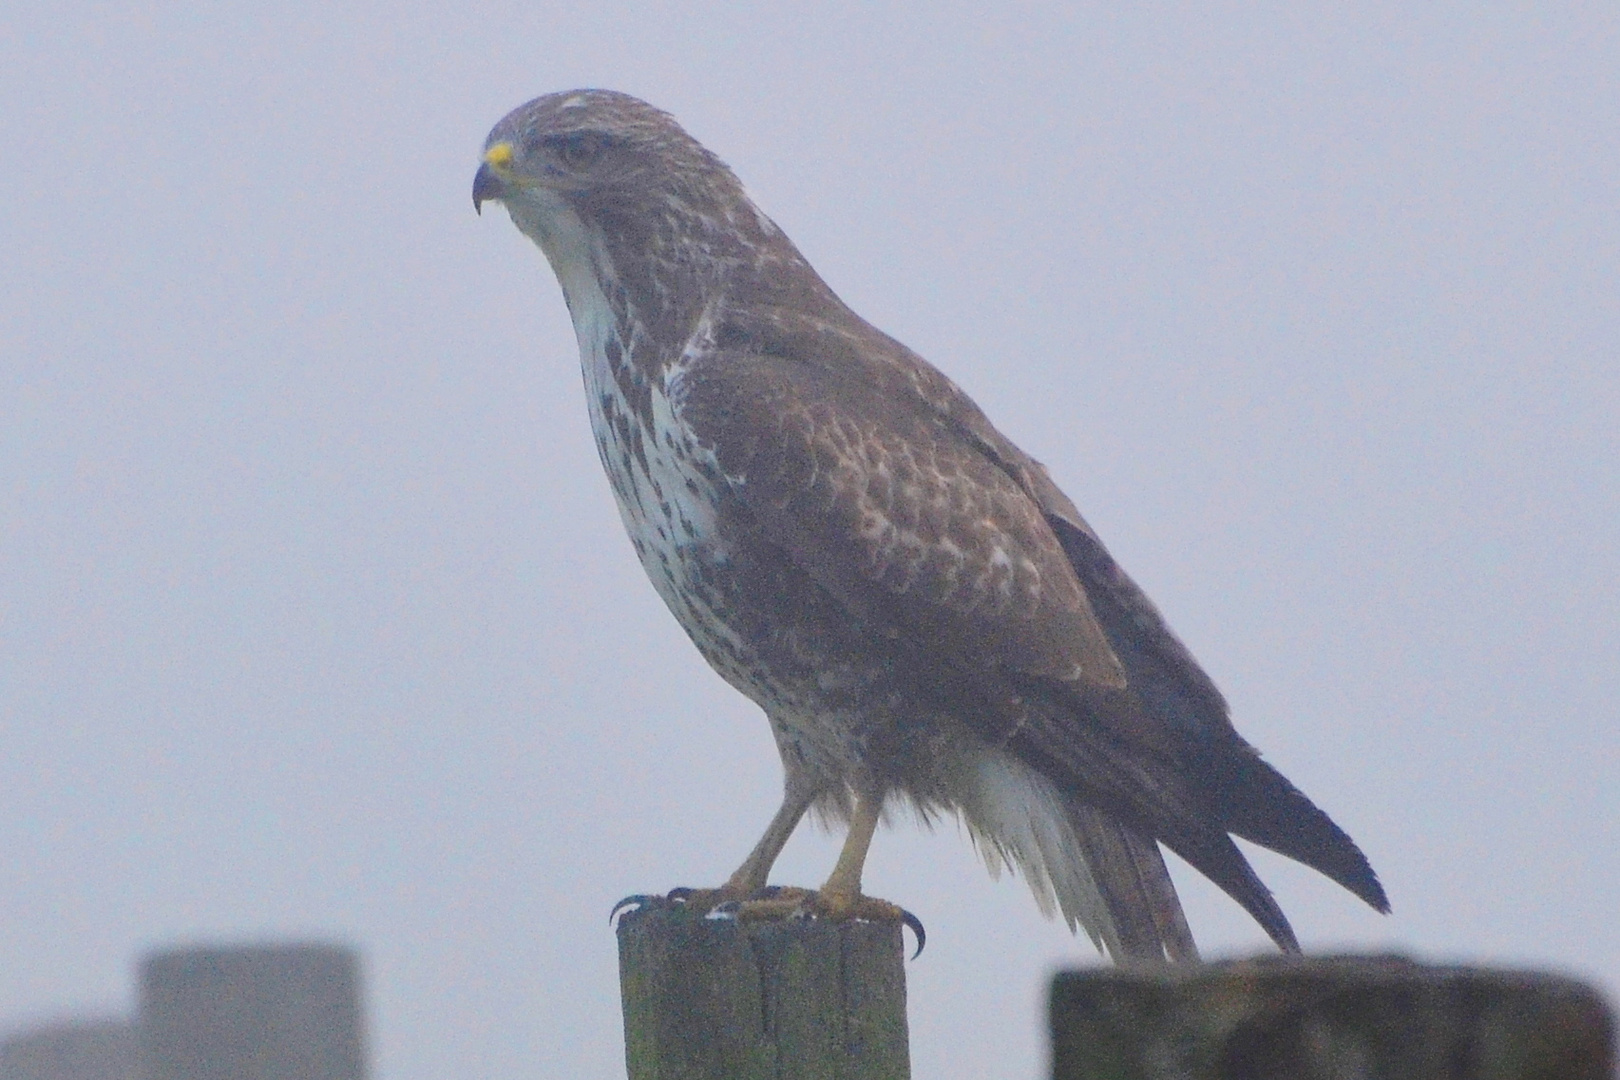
(1218, 858)
(1259, 804)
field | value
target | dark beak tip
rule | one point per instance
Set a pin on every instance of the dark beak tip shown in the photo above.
(486, 186)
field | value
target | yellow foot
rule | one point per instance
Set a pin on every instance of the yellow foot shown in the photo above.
(778, 902)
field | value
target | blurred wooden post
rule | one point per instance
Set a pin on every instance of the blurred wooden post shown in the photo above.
(1339, 1018)
(272, 1012)
(714, 999)
(74, 1050)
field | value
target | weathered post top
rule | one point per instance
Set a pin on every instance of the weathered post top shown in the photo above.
(718, 999)
(1337, 1018)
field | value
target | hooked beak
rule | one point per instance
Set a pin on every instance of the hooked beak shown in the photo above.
(488, 184)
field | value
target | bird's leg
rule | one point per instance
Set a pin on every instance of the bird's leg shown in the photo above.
(749, 881)
(841, 894)
(751, 876)
(839, 899)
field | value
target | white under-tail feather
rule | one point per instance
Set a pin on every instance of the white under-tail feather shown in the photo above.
(1097, 872)
(1019, 822)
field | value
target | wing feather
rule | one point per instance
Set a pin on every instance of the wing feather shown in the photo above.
(913, 530)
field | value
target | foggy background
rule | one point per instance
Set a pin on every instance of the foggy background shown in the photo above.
(316, 617)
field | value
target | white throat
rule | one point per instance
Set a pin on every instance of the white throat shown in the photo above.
(665, 499)
(579, 260)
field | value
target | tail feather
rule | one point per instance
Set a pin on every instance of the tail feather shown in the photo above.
(1146, 799)
(1135, 887)
(1214, 855)
(1101, 873)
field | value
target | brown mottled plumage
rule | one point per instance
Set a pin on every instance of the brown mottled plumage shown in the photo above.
(920, 612)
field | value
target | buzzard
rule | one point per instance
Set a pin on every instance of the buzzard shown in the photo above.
(922, 615)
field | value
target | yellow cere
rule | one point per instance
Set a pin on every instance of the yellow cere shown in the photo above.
(499, 155)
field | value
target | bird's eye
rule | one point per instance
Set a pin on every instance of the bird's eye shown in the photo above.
(579, 149)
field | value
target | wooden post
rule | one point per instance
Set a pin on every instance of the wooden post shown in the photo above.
(76, 1050)
(1340, 1018)
(715, 999)
(273, 1012)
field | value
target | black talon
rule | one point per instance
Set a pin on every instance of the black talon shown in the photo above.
(908, 919)
(636, 901)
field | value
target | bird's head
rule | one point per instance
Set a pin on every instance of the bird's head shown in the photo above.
(584, 148)
(611, 188)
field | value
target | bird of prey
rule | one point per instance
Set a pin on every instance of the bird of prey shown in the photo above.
(922, 615)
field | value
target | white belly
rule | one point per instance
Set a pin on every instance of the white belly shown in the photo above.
(666, 501)
(667, 490)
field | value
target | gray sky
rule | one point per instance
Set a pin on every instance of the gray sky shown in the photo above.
(316, 616)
